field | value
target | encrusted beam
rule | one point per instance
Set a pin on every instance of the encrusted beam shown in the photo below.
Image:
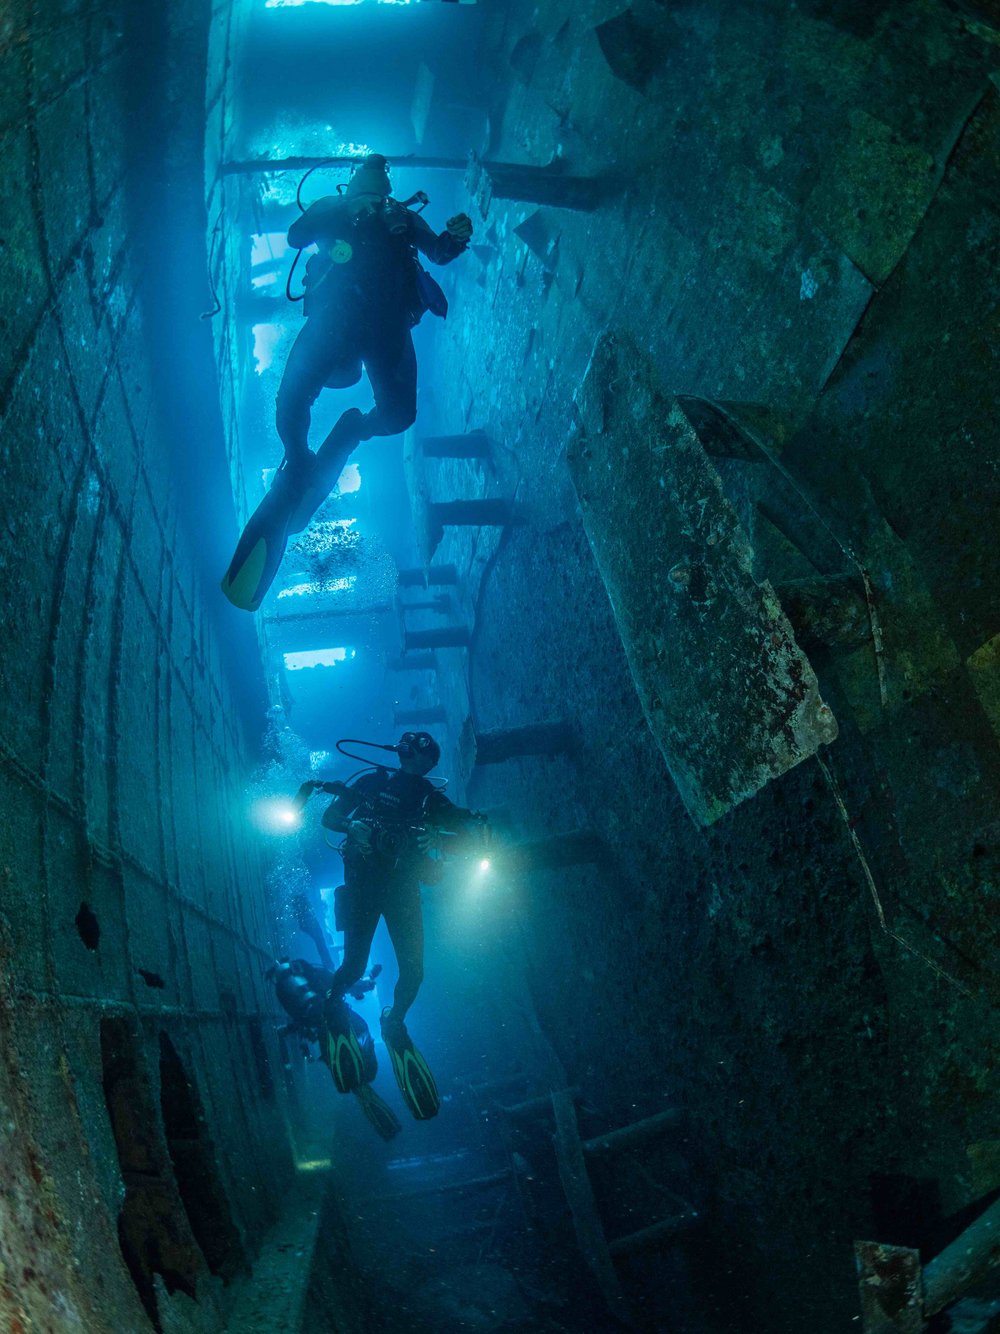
(729, 696)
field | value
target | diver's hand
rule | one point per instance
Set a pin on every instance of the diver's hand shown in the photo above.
(426, 839)
(477, 829)
(303, 794)
(365, 207)
(361, 833)
(459, 228)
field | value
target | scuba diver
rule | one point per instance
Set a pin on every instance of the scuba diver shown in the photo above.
(365, 289)
(316, 1015)
(393, 819)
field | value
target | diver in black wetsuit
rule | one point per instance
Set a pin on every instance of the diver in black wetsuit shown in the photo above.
(384, 815)
(318, 1015)
(365, 290)
(392, 819)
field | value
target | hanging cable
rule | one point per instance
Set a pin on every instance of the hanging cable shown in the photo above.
(217, 304)
(326, 162)
(288, 281)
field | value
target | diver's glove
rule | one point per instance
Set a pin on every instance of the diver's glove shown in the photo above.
(426, 838)
(366, 983)
(459, 228)
(304, 793)
(479, 828)
(361, 834)
(312, 785)
(473, 834)
(365, 207)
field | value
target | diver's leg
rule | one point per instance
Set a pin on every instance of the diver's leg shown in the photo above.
(360, 920)
(391, 364)
(313, 356)
(405, 923)
(401, 909)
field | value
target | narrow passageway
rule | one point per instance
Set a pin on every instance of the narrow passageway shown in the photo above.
(623, 654)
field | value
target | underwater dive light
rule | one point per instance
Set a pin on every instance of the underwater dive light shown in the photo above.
(276, 816)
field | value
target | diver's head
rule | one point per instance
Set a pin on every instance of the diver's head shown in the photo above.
(371, 177)
(418, 752)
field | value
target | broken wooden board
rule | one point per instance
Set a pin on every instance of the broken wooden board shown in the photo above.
(729, 696)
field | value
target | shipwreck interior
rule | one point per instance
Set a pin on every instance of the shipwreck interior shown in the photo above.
(688, 562)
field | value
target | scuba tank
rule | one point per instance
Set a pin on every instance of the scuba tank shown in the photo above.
(299, 1000)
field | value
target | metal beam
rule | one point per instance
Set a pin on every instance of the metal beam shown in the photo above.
(260, 166)
(668, 1229)
(963, 1263)
(450, 636)
(325, 614)
(635, 1135)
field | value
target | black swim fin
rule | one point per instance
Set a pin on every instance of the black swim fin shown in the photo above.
(413, 1074)
(262, 543)
(330, 459)
(379, 1113)
(340, 1048)
(289, 505)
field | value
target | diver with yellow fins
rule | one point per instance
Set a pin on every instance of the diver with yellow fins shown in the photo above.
(392, 819)
(365, 289)
(318, 1015)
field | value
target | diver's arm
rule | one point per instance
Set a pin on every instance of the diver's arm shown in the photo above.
(443, 813)
(317, 222)
(439, 249)
(339, 817)
(308, 924)
(303, 794)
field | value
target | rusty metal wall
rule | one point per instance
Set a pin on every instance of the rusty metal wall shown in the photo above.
(130, 890)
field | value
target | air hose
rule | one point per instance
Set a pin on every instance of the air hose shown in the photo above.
(302, 208)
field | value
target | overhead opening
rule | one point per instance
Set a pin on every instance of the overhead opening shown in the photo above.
(318, 657)
(266, 338)
(309, 588)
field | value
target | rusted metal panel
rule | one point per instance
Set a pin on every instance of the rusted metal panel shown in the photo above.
(891, 1289)
(728, 694)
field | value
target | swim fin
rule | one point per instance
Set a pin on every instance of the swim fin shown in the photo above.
(340, 1048)
(379, 1113)
(262, 543)
(289, 505)
(413, 1075)
(331, 456)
